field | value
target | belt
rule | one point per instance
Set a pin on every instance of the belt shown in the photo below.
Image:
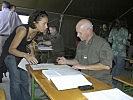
(3, 35)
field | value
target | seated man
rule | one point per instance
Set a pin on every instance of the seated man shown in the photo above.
(93, 53)
(54, 39)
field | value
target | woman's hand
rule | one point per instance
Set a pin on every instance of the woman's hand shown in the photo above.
(31, 59)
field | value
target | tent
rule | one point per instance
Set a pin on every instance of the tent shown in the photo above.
(65, 13)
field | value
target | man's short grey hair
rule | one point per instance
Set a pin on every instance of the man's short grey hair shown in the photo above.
(90, 25)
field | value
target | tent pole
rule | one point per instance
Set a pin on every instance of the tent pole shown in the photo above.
(62, 15)
(126, 12)
(67, 7)
(61, 18)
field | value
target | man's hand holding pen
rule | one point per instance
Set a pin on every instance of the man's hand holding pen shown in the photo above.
(61, 60)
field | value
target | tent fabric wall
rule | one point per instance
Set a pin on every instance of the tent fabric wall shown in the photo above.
(68, 31)
(104, 10)
(99, 11)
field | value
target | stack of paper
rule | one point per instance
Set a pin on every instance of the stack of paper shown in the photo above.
(59, 70)
(45, 47)
(111, 94)
(22, 64)
(70, 81)
(42, 66)
(48, 66)
(66, 78)
(50, 73)
(63, 76)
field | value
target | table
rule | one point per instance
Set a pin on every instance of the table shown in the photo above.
(130, 60)
(127, 82)
(43, 50)
(72, 94)
(2, 94)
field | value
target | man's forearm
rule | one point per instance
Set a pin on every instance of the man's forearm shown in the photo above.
(98, 66)
(72, 62)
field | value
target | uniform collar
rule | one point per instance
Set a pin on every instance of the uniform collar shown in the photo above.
(91, 40)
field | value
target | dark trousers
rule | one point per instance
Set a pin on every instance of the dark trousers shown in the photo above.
(118, 67)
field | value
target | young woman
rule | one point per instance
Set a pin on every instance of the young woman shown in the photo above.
(14, 50)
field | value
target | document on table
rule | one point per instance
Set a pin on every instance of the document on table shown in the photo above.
(59, 71)
(22, 64)
(47, 66)
(64, 70)
(70, 81)
(65, 77)
(42, 66)
(45, 48)
(111, 94)
(50, 73)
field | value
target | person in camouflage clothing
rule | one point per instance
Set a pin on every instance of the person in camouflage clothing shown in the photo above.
(118, 38)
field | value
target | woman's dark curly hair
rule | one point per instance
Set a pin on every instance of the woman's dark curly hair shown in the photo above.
(35, 17)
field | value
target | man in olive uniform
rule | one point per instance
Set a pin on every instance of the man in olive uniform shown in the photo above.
(54, 39)
(93, 54)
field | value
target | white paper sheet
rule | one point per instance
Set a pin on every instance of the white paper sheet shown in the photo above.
(59, 71)
(111, 94)
(70, 81)
(45, 48)
(22, 64)
(65, 77)
(50, 73)
(67, 71)
(48, 66)
(42, 66)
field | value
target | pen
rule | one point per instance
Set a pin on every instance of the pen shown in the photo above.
(58, 59)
